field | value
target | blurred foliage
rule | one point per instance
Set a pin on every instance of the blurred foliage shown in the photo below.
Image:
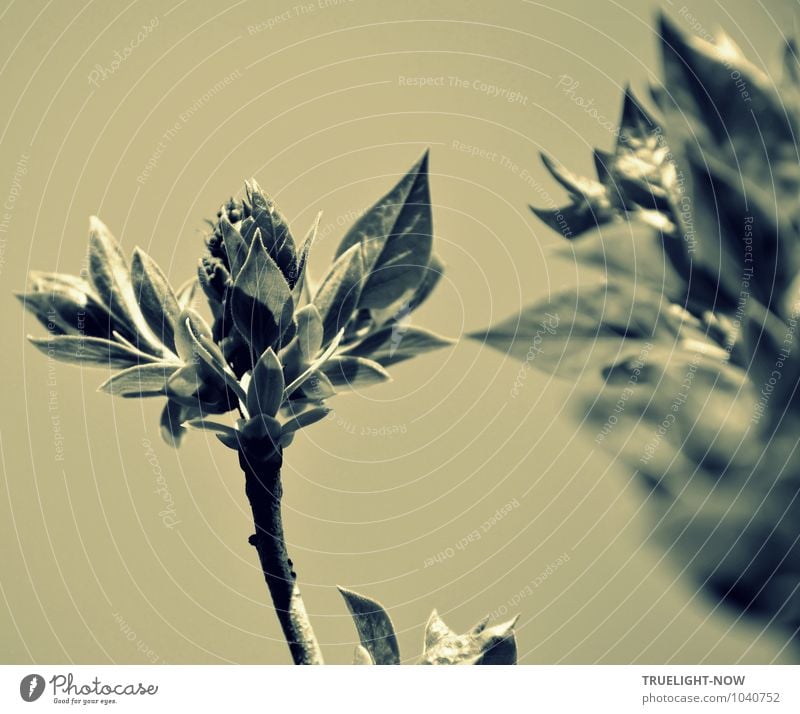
(686, 354)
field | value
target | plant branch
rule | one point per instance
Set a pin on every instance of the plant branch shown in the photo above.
(264, 490)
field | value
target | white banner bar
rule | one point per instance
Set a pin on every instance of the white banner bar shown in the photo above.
(383, 690)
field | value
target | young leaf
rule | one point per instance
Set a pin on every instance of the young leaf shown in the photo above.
(310, 332)
(261, 427)
(337, 297)
(189, 328)
(266, 218)
(235, 247)
(140, 380)
(577, 325)
(396, 234)
(499, 644)
(304, 419)
(316, 386)
(300, 282)
(629, 251)
(430, 279)
(156, 298)
(265, 391)
(185, 293)
(64, 308)
(312, 369)
(436, 630)
(354, 371)
(375, 629)
(232, 441)
(173, 417)
(110, 276)
(184, 384)
(399, 342)
(481, 645)
(91, 351)
(261, 301)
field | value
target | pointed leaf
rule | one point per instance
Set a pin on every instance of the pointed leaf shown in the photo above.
(110, 276)
(184, 384)
(317, 387)
(261, 301)
(577, 218)
(399, 342)
(187, 335)
(499, 644)
(435, 630)
(300, 282)
(313, 369)
(156, 298)
(375, 629)
(354, 371)
(173, 417)
(65, 309)
(575, 184)
(262, 427)
(396, 234)
(632, 252)
(579, 325)
(337, 297)
(265, 391)
(304, 419)
(430, 279)
(310, 332)
(236, 249)
(232, 441)
(482, 645)
(90, 351)
(140, 380)
(265, 216)
(635, 125)
(185, 293)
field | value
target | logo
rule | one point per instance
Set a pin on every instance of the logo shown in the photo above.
(31, 687)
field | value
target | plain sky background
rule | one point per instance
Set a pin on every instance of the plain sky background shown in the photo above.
(317, 107)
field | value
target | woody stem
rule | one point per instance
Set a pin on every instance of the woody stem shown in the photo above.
(264, 491)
